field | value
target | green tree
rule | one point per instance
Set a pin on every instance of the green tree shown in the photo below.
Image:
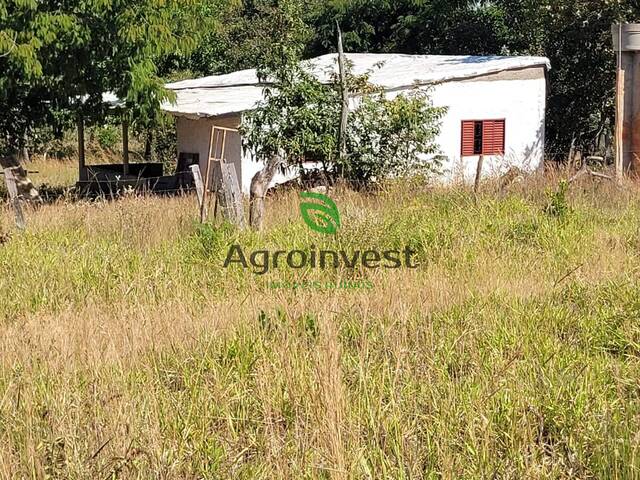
(212, 53)
(247, 33)
(298, 122)
(574, 34)
(63, 56)
(391, 137)
(26, 33)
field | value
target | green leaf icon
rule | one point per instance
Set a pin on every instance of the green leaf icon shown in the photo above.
(321, 214)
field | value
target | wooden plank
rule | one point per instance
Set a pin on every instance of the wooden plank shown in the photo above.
(225, 129)
(212, 141)
(344, 115)
(197, 178)
(620, 125)
(224, 144)
(232, 203)
(205, 193)
(10, 180)
(82, 171)
(14, 198)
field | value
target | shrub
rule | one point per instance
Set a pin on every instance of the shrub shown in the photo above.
(299, 122)
(558, 206)
(107, 136)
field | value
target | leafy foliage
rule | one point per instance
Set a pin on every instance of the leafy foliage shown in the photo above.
(574, 34)
(558, 205)
(391, 137)
(57, 57)
(244, 34)
(106, 135)
(299, 120)
(26, 32)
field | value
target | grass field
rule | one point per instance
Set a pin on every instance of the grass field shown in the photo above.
(512, 352)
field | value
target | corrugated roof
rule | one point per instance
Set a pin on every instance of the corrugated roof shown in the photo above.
(240, 91)
(213, 102)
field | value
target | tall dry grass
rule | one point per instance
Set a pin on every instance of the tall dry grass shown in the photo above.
(512, 352)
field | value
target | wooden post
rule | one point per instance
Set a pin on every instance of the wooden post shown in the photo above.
(619, 110)
(224, 145)
(125, 144)
(620, 126)
(148, 146)
(205, 191)
(342, 140)
(197, 178)
(476, 185)
(12, 188)
(82, 172)
(25, 149)
(259, 186)
(233, 195)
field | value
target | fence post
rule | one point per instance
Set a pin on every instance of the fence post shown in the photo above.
(14, 198)
(476, 185)
(197, 178)
(232, 195)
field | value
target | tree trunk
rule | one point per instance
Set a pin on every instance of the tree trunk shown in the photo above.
(125, 145)
(259, 186)
(82, 170)
(148, 146)
(25, 149)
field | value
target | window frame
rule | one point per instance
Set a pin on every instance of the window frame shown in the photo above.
(483, 150)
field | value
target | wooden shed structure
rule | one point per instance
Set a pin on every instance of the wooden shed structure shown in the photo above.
(495, 108)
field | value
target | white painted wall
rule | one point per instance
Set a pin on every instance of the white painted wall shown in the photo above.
(518, 97)
(194, 137)
(521, 102)
(251, 167)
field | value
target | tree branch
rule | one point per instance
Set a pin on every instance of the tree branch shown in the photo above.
(12, 48)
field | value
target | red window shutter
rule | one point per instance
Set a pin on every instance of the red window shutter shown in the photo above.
(498, 139)
(487, 137)
(467, 137)
(493, 137)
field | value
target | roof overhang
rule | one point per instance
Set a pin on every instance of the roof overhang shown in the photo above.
(240, 91)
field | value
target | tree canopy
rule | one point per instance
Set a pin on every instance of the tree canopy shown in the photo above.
(53, 53)
(574, 34)
(298, 122)
(58, 57)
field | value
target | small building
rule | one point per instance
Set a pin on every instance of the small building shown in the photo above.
(116, 178)
(496, 108)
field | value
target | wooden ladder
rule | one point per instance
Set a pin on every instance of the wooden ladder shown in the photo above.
(227, 189)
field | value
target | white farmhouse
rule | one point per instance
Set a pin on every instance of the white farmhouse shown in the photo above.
(496, 108)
